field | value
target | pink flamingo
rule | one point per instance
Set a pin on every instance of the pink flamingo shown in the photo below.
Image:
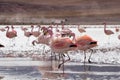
(2, 29)
(47, 31)
(35, 33)
(107, 32)
(44, 38)
(65, 32)
(116, 29)
(26, 33)
(11, 34)
(15, 32)
(62, 46)
(119, 37)
(84, 43)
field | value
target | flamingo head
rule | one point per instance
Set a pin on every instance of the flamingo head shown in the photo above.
(44, 29)
(32, 26)
(92, 44)
(12, 27)
(33, 43)
(73, 45)
(104, 23)
(7, 27)
(2, 45)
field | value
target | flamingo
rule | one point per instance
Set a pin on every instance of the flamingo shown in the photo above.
(84, 43)
(81, 30)
(64, 32)
(116, 29)
(2, 29)
(62, 46)
(45, 37)
(35, 33)
(47, 31)
(10, 34)
(42, 39)
(119, 37)
(107, 32)
(15, 32)
(26, 33)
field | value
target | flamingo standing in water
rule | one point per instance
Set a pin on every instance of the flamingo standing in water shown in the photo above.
(44, 38)
(107, 32)
(62, 46)
(116, 29)
(84, 43)
(26, 33)
(35, 33)
(11, 34)
(2, 29)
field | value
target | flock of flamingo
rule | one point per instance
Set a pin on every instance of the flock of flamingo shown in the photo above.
(60, 41)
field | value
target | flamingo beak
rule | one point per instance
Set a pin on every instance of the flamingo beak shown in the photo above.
(2, 45)
(93, 42)
(73, 45)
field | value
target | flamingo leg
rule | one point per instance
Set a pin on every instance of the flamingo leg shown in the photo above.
(90, 56)
(84, 56)
(84, 60)
(65, 60)
(51, 59)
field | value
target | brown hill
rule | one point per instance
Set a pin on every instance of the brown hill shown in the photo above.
(75, 11)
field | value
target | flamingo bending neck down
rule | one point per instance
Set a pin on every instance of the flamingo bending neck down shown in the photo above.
(35, 33)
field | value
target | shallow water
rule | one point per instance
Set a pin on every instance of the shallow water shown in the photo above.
(106, 59)
(73, 72)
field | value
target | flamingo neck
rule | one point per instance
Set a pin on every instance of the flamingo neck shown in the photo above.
(8, 29)
(57, 30)
(74, 39)
(63, 27)
(38, 28)
(35, 42)
(104, 27)
(32, 28)
(78, 26)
